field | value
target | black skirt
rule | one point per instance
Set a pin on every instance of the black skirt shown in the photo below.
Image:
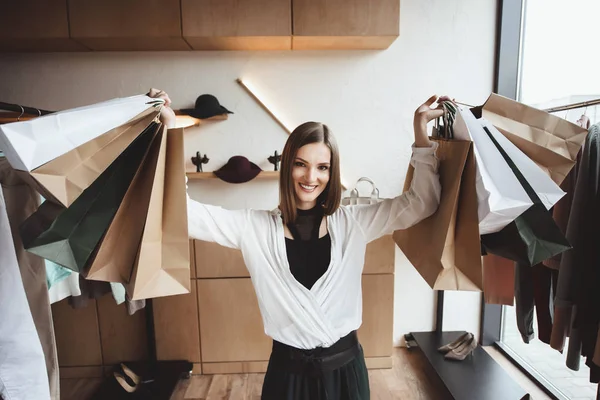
(334, 373)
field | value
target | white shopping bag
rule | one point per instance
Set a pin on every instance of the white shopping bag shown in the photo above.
(546, 189)
(30, 144)
(500, 196)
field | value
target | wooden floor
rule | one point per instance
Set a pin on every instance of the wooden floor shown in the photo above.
(410, 378)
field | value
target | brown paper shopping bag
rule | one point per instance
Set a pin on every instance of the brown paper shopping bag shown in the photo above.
(162, 265)
(444, 248)
(550, 141)
(114, 258)
(64, 178)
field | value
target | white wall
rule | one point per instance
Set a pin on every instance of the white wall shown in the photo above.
(366, 97)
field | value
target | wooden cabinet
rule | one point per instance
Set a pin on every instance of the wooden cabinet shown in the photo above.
(150, 25)
(176, 327)
(216, 261)
(77, 335)
(99, 335)
(376, 332)
(237, 24)
(230, 323)
(127, 25)
(36, 25)
(345, 24)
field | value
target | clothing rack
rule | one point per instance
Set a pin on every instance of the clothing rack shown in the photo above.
(573, 106)
(23, 109)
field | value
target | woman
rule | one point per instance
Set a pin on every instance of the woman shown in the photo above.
(306, 258)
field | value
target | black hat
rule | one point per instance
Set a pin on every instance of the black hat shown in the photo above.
(238, 170)
(206, 106)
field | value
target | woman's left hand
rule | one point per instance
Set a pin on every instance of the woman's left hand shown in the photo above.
(167, 116)
(423, 115)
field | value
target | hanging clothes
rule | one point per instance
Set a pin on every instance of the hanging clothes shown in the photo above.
(67, 287)
(21, 201)
(576, 308)
(22, 363)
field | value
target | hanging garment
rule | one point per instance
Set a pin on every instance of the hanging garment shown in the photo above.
(562, 209)
(21, 201)
(534, 291)
(64, 288)
(576, 309)
(22, 363)
(55, 273)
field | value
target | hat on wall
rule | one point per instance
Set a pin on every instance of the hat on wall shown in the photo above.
(206, 106)
(238, 170)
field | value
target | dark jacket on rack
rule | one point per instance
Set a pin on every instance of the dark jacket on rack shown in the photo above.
(577, 305)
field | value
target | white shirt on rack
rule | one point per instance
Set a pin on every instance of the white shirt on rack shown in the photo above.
(319, 317)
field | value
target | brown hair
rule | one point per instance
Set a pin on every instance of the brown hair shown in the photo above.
(307, 133)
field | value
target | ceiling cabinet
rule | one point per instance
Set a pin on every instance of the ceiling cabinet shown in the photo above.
(113, 25)
(345, 24)
(36, 25)
(174, 25)
(237, 24)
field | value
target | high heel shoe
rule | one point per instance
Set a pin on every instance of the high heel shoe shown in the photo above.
(128, 379)
(454, 344)
(462, 351)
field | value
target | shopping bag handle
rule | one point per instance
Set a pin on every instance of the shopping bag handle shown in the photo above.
(374, 192)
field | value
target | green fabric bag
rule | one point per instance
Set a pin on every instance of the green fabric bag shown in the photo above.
(533, 236)
(75, 233)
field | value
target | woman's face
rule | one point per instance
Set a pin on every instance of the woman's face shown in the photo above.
(310, 173)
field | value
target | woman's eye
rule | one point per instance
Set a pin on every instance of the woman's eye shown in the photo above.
(298, 164)
(323, 168)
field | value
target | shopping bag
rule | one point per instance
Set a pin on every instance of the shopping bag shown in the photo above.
(162, 266)
(63, 179)
(30, 144)
(552, 142)
(114, 258)
(74, 234)
(533, 236)
(355, 198)
(500, 196)
(444, 248)
(548, 192)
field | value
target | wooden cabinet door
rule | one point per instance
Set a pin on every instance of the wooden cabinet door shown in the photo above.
(216, 261)
(345, 24)
(77, 335)
(237, 24)
(231, 327)
(176, 327)
(127, 25)
(123, 337)
(35, 25)
(376, 332)
(380, 256)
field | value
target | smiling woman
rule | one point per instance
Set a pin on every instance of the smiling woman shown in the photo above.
(310, 171)
(306, 259)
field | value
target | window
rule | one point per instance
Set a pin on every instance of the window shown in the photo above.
(547, 57)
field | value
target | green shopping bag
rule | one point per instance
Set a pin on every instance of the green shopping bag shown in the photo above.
(74, 234)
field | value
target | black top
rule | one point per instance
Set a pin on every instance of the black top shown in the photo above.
(308, 255)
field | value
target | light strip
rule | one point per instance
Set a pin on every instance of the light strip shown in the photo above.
(251, 90)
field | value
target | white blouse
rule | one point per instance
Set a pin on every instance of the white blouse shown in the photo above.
(291, 313)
